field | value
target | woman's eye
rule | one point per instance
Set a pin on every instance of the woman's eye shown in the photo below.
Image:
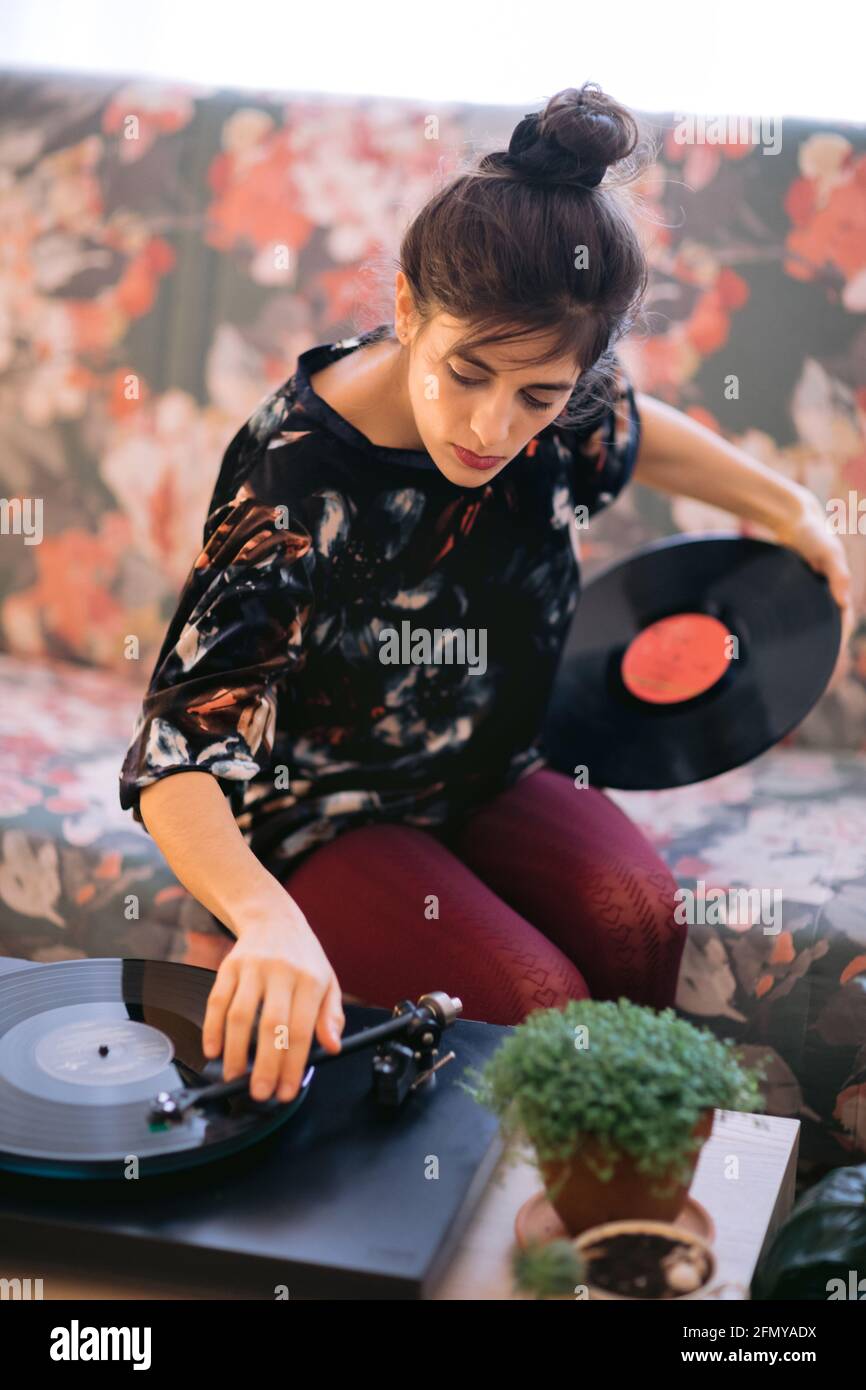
(468, 381)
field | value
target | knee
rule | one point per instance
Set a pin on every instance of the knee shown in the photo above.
(629, 914)
(658, 939)
(549, 981)
(651, 890)
(505, 979)
(659, 888)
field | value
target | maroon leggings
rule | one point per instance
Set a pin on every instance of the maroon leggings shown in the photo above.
(546, 893)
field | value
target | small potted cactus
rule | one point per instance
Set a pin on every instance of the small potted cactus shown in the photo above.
(616, 1100)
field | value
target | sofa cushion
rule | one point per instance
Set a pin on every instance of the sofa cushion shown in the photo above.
(790, 984)
(79, 877)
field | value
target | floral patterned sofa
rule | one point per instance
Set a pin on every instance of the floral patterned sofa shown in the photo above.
(143, 320)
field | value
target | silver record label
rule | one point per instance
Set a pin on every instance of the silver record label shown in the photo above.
(103, 1051)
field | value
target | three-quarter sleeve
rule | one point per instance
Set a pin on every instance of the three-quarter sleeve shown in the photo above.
(239, 627)
(605, 452)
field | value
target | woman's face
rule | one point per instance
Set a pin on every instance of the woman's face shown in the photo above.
(487, 403)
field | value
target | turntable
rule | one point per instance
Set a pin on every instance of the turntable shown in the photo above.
(117, 1134)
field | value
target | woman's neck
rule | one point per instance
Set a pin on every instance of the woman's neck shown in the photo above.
(368, 388)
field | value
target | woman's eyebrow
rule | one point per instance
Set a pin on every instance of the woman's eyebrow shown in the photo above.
(530, 386)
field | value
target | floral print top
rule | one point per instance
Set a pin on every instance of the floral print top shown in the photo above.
(360, 639)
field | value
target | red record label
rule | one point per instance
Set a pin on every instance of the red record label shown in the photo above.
(676, 658)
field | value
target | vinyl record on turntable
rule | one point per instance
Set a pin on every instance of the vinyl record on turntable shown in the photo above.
(86, 1046)
(689, 658)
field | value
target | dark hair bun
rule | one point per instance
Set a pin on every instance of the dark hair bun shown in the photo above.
(580, 132)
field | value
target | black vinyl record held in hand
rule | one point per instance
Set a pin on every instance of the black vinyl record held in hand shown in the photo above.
(689, 658)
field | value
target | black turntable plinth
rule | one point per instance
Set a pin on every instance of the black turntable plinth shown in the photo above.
(346, 1199)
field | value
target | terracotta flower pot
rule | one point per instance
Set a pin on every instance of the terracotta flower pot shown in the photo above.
(584, 1200)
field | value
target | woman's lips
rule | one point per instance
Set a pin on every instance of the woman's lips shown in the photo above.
(475, 460)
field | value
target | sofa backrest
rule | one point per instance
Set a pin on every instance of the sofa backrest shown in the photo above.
(146, 315)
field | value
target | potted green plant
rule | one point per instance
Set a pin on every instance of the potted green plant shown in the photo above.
(616, 1100)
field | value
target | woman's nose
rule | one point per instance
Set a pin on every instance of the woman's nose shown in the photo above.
(491, 432)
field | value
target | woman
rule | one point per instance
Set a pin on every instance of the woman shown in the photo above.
(356, 674)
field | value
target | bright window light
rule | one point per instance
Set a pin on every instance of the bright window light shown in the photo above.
(738, 57)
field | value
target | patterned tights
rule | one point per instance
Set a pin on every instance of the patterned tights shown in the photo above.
(544, 894)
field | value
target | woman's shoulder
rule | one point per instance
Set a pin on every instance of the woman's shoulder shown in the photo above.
(273, 440)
